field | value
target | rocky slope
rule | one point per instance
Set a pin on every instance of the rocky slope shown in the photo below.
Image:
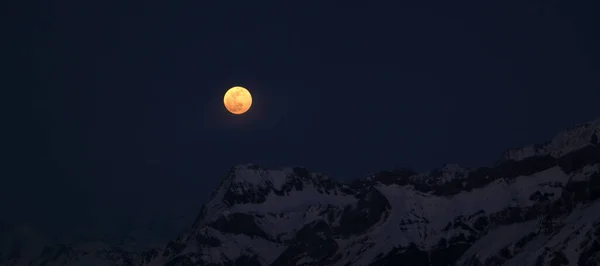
(539, 205)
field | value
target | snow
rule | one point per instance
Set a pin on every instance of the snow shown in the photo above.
(426, 215)
(295, 201)
(430, 214)
(563, 143)
(256, 176)
(585, 172)
(525, 152)
(500, 237)
(566, 240)
(415, 217)
(215, 205)
(574, 138)
(305, 261)
(233, 246)
(299, 208)
(286, 226)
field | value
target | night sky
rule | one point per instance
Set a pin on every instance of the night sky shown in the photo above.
(116, 109)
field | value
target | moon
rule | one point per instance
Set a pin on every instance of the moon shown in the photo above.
(237, 100)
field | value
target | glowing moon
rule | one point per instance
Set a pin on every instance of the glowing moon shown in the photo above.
(237, 100)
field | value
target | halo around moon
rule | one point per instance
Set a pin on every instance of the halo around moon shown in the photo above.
(237, 100)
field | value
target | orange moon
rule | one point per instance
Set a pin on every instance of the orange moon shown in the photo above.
(237, 100)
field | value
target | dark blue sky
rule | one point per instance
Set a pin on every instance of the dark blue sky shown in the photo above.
(119, 106)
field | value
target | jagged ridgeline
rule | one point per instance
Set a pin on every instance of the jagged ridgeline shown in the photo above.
(539, 205)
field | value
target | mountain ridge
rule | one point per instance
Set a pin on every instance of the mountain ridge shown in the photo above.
(538, 205)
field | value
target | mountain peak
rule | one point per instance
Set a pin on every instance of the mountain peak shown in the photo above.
(569, 140)
(531, 209)
(253, 175)
(250, 186)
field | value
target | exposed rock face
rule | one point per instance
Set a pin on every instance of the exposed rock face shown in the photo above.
(538, 205)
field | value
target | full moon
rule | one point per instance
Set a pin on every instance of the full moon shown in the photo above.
(237, 100)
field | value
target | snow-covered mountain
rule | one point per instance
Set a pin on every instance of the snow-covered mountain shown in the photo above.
(539, 205)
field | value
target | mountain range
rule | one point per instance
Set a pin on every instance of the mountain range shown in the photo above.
(537, 205)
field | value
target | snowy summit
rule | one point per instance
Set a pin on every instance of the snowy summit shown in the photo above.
(539, 205)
